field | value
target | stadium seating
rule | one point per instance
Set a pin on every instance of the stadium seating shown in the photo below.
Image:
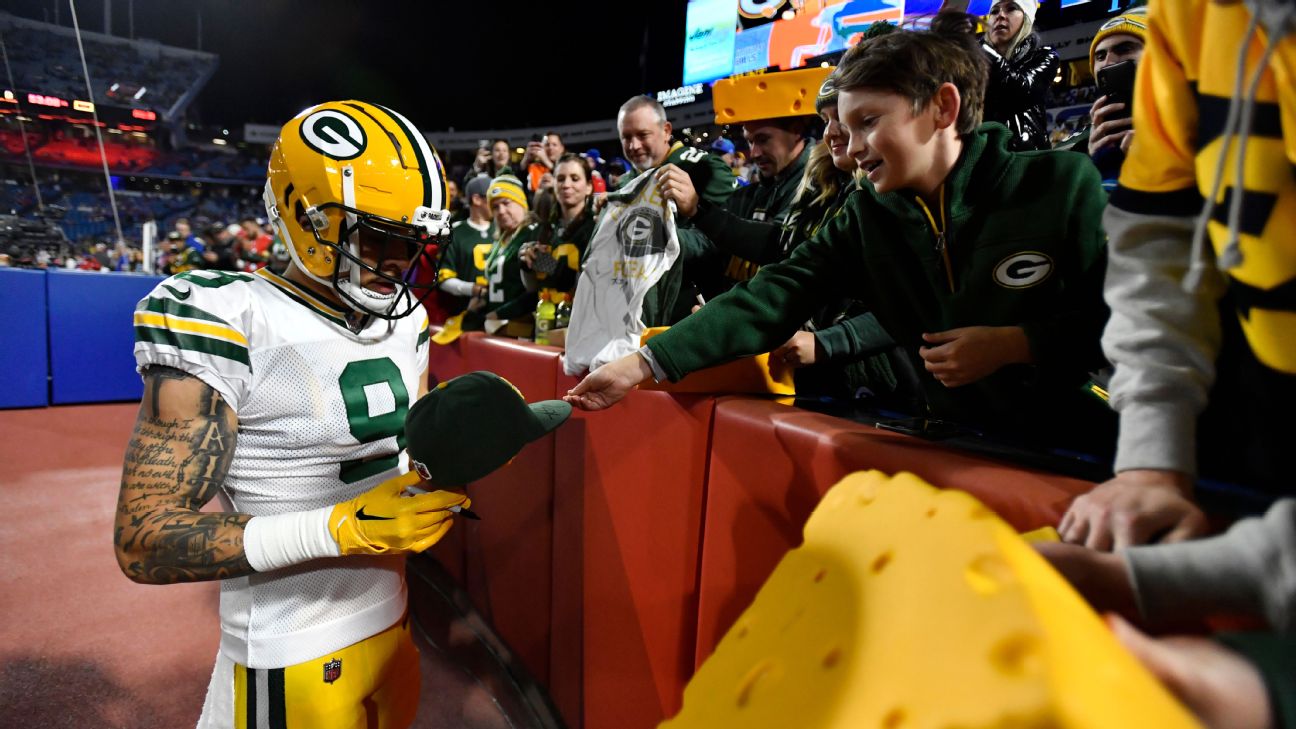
(45, 59)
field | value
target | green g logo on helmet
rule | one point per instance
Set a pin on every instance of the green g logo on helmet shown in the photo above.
(333, 134)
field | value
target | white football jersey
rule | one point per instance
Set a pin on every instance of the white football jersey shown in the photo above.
(634, 245)
(321, 414)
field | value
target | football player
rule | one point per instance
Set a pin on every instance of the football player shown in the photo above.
(287, 396)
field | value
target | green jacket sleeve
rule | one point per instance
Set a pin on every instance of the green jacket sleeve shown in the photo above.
(754, 240)
(1071, 332)
(758, 315)
(517, 306)
(714, 182)
(854, 338)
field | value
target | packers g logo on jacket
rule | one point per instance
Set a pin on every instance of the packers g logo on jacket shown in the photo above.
(1023, 270)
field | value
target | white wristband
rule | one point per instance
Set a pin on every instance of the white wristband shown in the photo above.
(272, 542)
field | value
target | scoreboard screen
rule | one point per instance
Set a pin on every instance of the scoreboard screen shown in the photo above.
(727, 37)
(78, 111)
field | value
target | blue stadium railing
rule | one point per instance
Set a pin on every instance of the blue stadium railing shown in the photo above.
(69, 336)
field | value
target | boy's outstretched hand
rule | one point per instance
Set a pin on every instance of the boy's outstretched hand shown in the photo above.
(605, 386)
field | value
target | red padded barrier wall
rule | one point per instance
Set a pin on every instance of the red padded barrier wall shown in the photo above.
(509, 553)
(447, 360)
(566, 646)
(628, 510)
(771, 463)
(444, 362)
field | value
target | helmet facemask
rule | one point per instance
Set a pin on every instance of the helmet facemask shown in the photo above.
(423, 238)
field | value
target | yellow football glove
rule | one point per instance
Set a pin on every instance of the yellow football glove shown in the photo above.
(386, 520)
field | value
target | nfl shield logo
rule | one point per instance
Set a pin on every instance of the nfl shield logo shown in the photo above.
(332, 671)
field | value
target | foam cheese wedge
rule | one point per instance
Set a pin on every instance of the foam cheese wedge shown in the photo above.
(767, 95)
(908, 607)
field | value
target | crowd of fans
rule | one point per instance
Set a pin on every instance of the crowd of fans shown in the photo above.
(71, 145)
(75, 205)
(246, 245)
(985, 299)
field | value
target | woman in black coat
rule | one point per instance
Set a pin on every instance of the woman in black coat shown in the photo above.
(1021, 69)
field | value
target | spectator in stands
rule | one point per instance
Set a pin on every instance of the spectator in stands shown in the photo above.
(1004, 315)
(596, 162)
(1021, 70)
(724, 148)
(88, 262)
(103, 257)
(616, 170)
(554, 148)
(535, 163)
(1236, 680)
(742, 170)
(542, 154)
(181, 257)
(646, 140)
(552, 261)
(220, 254)
(455, 203)
(501, 157)
(779, 148)
(492, 160)
(1198, 287)
(256, 244)
(506, 296)
(185, 230)
(1108, 138)
(462, 270)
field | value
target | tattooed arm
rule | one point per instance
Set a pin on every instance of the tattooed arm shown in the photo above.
(177, 459)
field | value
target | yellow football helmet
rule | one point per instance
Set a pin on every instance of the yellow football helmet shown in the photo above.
(344, 170)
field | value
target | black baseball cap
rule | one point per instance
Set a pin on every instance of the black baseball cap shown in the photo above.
(467, 427)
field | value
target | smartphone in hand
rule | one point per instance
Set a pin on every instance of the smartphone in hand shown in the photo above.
(1116, 82)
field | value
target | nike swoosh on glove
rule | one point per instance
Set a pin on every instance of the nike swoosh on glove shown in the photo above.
(386, 520)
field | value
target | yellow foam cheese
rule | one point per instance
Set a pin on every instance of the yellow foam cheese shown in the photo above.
(912, 608)
(767, 95)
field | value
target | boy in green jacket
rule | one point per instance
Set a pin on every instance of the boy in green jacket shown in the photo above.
(987, 265)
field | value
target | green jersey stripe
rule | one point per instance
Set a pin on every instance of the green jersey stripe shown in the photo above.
(193, 343)
(175, 308)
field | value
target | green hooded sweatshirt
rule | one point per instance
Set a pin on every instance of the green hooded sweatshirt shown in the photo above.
(1022, 245)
